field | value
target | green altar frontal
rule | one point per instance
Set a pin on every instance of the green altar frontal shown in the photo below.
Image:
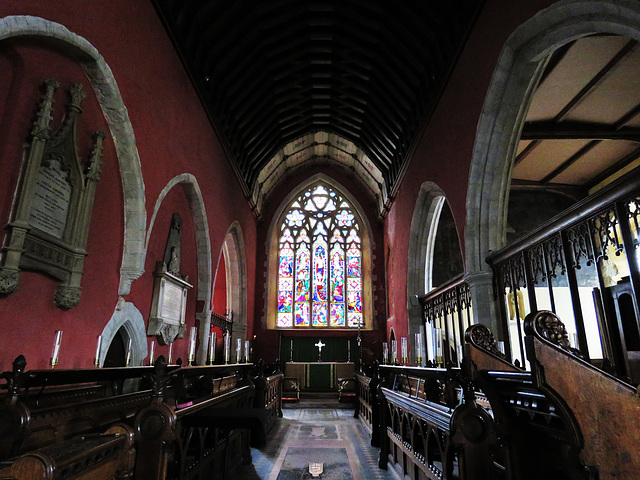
(319, 375)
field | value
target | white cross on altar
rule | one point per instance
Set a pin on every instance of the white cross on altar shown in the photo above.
(320, 345)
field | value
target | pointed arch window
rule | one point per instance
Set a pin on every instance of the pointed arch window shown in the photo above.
(319, 262)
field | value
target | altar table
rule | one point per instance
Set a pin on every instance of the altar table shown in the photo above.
(319, 375)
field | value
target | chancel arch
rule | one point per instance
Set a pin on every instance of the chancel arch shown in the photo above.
(319, 267)
(108, 94)
(518, 72)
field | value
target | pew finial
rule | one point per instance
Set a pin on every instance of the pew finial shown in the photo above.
(480, 335)
(16, 377)
(160, 378)
(548, 325)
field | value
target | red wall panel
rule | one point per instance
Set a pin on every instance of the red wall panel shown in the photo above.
(173, 136)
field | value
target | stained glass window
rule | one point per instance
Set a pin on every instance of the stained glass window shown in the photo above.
(320, 262)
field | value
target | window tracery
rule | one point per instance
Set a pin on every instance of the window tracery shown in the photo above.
(320, 262)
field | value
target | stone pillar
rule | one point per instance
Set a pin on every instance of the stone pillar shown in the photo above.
(485, 308)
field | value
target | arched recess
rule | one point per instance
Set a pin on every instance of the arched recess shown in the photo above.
(126, 315)
(115, 113)
(508, 98)
(422, 236)
(269, 321)
(235, 268)
(191, 189)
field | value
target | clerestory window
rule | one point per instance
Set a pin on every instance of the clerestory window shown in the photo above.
(319, 262)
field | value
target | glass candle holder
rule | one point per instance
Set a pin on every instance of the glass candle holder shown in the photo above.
(227, 347)
(438, 346)
(212, 347)
(96, 359)
(404, 347)
(56, 348)
(385, 353)
(192, 344)
(127, 360)
(394, 352)
(418, 347)
(152, 352)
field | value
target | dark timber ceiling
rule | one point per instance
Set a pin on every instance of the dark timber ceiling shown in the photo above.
(361, 73)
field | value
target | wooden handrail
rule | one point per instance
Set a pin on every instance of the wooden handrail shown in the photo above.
(623, 188)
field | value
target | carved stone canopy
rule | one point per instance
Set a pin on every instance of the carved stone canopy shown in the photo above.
(49, 224)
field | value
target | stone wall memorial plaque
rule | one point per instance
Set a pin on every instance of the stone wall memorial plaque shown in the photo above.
(49, 223)
(51, 198)
(168, 308)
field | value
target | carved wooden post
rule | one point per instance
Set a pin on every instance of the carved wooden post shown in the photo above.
(381, 428)
(15, 416)
(155, 428)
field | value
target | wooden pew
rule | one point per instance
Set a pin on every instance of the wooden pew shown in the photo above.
(58, 416)
(42, 407)
(89, 457)
(416, 410)
(564, 418)
(606, 410)
(531, 425)
(174, 437)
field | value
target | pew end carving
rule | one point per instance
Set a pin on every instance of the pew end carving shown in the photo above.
(606, 409)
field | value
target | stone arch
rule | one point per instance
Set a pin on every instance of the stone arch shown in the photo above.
(272, 249)
(508, 97)
(192, 192)
(126, 315)
(106, 88)
(232, 254)
(421, 243)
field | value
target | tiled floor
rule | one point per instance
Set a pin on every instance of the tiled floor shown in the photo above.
(316, 432)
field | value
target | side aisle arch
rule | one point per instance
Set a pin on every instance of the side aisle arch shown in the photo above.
(421, 242)
(233, 255)
(508, 97)
(191, 189)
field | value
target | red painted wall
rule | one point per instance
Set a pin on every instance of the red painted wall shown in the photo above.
(173, 136)
(220, 288)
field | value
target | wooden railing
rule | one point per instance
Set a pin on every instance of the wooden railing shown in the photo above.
(363, 408)
(583, 265)
(447, 314)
